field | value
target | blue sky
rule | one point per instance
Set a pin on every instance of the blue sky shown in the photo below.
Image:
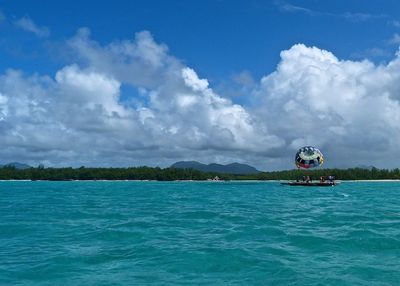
(217, 38)
(233, 62)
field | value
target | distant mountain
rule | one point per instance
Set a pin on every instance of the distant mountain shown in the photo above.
(234, 168)
(17, 165)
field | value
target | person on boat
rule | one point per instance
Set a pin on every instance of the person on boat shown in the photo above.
(330, 178)
(322, 179)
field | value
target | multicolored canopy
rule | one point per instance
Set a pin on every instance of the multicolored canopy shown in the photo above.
(308, 157)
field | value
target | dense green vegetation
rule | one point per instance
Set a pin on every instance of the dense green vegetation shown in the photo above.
(170, 174)
(83, 173)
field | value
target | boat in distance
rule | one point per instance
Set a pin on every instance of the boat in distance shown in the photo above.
(310, 184)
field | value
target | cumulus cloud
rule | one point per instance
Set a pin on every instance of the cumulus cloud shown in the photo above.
(27, 24)
(349, 109)
(78, 116)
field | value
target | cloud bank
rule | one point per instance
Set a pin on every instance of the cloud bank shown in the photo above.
(131, 103)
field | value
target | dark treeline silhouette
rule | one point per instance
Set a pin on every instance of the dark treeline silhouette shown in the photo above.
(83, 173)
(171, 174)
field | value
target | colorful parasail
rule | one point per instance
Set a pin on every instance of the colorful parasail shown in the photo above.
(308, 157)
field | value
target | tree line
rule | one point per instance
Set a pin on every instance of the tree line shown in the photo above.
(171, 174)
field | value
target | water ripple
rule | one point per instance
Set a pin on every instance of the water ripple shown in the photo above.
(101, 233)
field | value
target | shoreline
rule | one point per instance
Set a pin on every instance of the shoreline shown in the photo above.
(194, 181)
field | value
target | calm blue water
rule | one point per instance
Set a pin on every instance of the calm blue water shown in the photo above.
(140, 233)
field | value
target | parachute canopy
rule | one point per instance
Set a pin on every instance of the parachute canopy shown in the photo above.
(308, 157)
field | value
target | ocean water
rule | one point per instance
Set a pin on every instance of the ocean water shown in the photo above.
(199, 233)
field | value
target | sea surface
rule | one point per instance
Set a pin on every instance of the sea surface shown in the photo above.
(199, 233)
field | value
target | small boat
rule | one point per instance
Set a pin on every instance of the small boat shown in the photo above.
(311, 184)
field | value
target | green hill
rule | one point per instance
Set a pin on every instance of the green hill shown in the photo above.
(233, 168)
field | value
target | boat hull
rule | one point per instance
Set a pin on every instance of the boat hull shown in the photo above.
(310, 184)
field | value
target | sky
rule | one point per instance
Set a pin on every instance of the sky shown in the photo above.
(132, 83)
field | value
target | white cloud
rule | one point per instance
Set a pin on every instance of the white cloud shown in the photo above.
(139, 62)
(27, 24)
(77, 117)
(89, 89)
(349, 109)
(292, 8)
(191, 80)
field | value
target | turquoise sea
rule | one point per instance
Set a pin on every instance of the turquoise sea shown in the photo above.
(199, 233)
